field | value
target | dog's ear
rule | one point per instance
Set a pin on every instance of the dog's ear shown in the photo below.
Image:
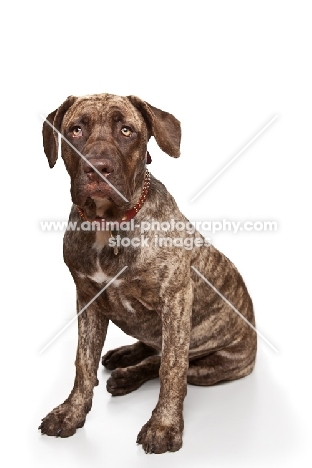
(50, 136)
(163, 126)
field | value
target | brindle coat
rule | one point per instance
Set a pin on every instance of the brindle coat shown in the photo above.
(186, 332)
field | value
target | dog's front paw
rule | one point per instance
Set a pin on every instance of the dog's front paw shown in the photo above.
(64, 420)
(159, 438)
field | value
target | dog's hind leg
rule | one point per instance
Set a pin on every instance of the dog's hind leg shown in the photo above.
(231, 363)
(126, 356)
(125, 380)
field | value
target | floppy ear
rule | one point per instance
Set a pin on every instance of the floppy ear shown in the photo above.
(50, 136)
(164, 126)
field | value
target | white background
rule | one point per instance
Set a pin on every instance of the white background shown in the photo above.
(224, 69)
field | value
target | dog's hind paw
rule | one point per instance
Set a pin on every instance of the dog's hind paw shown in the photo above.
(123, 381)
(126, 356)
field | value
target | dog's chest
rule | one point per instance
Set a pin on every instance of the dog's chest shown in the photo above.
(129, 306)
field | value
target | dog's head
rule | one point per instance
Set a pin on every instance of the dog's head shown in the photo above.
(104, 139)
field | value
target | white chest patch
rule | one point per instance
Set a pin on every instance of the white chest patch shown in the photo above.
(100, 277)
(127, 305)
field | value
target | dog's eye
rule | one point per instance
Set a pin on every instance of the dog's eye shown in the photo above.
(76, 131)
(126, 131)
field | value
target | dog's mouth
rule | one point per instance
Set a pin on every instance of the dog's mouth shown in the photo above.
(98, 189)
(98, 199)
(104, 190)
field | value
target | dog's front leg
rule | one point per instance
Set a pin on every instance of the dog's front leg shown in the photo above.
(163, 432)
(69, 416)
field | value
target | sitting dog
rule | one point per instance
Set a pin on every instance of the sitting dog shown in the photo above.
(154, 289)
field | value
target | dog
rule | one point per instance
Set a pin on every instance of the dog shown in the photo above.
(186, 332)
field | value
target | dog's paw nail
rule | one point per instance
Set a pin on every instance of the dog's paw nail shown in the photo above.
(111, 386)
(152, 450)
(58, 432)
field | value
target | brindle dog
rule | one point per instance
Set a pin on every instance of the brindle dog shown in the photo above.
(186, 332)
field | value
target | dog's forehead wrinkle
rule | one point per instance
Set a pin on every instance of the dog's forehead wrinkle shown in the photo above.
(100, 106)
(81, 110)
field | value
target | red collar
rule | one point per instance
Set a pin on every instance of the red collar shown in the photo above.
(129, 214)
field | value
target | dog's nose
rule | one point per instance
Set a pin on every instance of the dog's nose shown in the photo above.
(94, 167)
